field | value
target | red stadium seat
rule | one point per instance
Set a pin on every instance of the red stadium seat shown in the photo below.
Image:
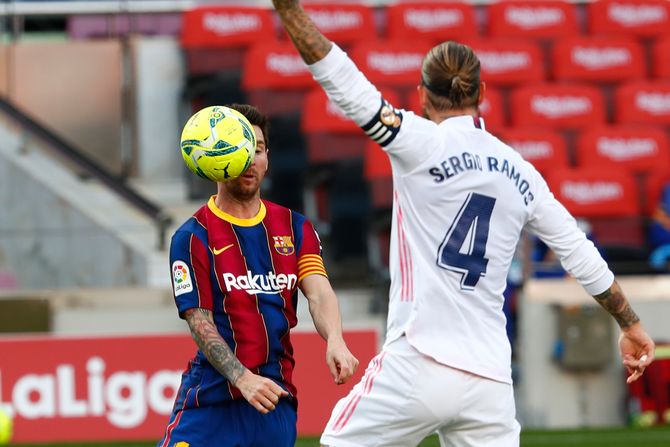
(640, 150)
(598, 59)
(661, 58)
(557, 106)
(345, 23)
(532, 19)
(491, 109)
(608, 199)
(276, 78)
(377, 172)
(394, 63)
(215, 37)
(595, 192)
(437, 21)
(509, 61)
(544, 148)
(330, 135)
(643, 102)
(634, 17)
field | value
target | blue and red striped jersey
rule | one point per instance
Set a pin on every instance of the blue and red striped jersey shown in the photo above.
(246, 272)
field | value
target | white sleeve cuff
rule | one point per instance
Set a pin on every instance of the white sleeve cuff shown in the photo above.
(601, 284)
(323, 68)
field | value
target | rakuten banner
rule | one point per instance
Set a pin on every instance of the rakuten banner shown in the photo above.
(123, 388)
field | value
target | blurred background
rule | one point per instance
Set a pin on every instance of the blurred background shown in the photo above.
(93, 96)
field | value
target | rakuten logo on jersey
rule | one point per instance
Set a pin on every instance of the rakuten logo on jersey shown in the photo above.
(227, 24)
(255, 284)
(530, 18)
(600, 58)
(560, 106)
(123, 397)
(586, 193)
(285, 64)
(336, 20)
(622, 149)
(653, 103)
(636, 15)
(503, 61)
(533, 150)
(430, 20)
(391, 63)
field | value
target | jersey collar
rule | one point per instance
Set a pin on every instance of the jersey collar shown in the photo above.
(468, 121)
(250, 222)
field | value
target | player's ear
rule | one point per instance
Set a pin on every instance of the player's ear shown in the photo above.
(482, 92)
(423, 99)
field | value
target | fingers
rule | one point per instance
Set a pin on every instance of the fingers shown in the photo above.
(265, 395)
(636, 367)
(346, 369)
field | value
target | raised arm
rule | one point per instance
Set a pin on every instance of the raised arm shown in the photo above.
(308, 40)
(325, 313)
(259, 391)
(636, 347)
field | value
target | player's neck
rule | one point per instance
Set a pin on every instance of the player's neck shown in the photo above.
(442, 115)
(237, 207)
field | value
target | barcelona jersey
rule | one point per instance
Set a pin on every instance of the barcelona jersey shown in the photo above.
(246, 272)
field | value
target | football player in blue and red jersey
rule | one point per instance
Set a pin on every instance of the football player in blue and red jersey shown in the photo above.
(237, 265)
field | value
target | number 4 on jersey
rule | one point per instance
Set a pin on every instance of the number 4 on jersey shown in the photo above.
(464, 245)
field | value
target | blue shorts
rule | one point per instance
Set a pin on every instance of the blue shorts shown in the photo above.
(232, 424)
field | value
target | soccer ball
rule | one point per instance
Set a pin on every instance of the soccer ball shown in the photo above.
(218, 143)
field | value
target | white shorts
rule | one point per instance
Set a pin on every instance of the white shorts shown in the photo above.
(405, 396)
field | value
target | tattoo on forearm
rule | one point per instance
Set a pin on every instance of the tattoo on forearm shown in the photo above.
(210, 342)
(308, 40)
(614, 302)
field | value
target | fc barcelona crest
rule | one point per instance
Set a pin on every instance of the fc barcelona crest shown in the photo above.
(283, 245)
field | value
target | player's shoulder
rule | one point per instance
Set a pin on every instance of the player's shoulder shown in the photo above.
(195, 225)
(277, 211)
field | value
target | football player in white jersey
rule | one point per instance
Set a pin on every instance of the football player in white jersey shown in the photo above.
(461, 200)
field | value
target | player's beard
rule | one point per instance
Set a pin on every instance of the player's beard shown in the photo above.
(244, 189)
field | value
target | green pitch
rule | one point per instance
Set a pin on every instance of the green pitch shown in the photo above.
(656, 437)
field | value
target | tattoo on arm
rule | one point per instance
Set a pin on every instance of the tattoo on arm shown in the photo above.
(614, 302)
(308, 40)
(210, 342)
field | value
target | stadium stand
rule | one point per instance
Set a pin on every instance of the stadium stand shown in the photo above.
(531, 19)
(643, 102)
(434, 21)
(546, 149)
(660, 60)
(644, 18)
(509, 62)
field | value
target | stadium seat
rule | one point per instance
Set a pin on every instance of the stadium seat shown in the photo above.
(661, 58)
(608, 200)
(557, 106)
(605, 59)
(532, 19)
(543, 148)
(435, 21)
(330, 135)
(643, 102)
(216, 37)
(507, 62)
(633, 17)
(344, 23)
(492, 108)
(639, 150)
(377, 172)
(276, 78)
(395, 63)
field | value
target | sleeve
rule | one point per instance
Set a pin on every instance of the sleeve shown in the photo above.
(310, 261)
(190, 272)
(403, 135)
(556, 227)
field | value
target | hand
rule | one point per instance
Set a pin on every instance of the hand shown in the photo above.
(262, 393)
(637, 351)
(340, 361)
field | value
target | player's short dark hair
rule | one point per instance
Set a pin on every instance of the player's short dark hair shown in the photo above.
(255, 117)
(451, 74)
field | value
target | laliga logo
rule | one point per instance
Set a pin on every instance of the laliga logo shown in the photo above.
(533, 150)
(285, 64)
(336, 20)
(528, 18)
(655, 103)
(391, 63)
(123, 397)
(560, 106)
(497, 62)
(429, 20)
(600, 58)
(621, 149)
(230, 23)
(636, 15)
(586, 193)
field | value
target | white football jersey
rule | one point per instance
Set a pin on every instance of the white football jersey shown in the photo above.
(461, 200)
